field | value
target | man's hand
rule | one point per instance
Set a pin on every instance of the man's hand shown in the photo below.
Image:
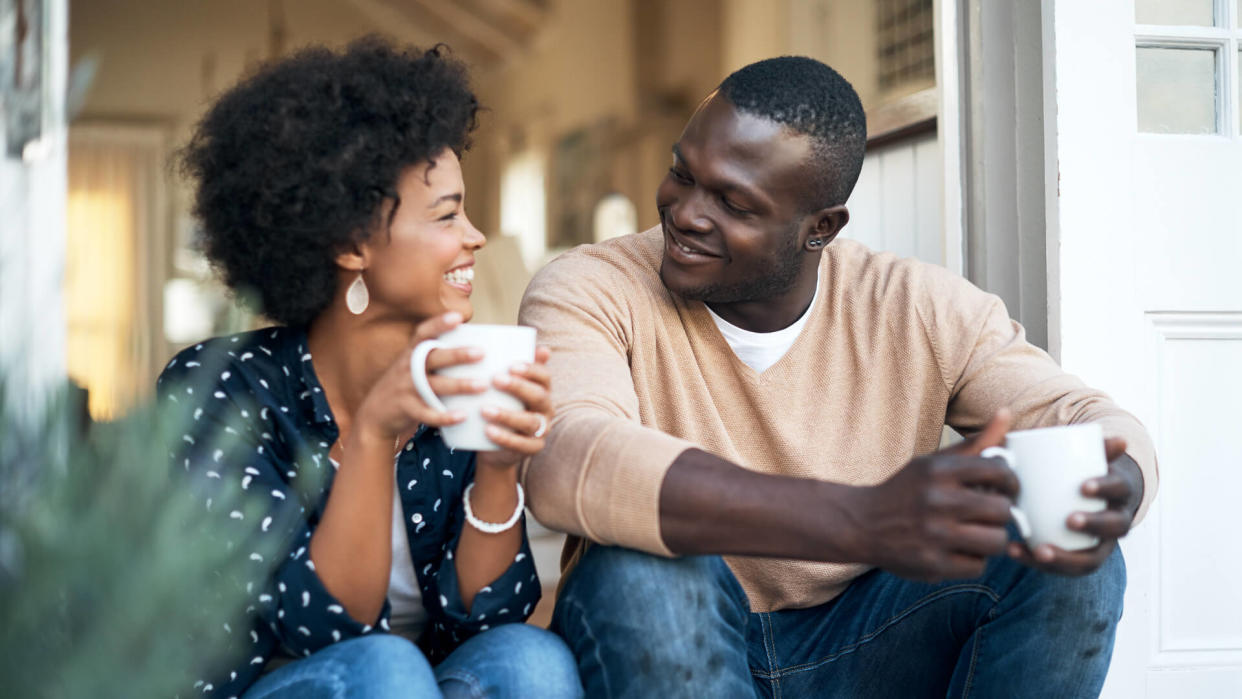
(943, 514)
(1122, 489)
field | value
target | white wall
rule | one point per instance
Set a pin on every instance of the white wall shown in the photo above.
(32, 240)
(896, 204)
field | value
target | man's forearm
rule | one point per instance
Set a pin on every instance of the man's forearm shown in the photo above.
(712, 506)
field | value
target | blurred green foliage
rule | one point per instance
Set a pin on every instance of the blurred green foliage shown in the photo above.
(112, 577)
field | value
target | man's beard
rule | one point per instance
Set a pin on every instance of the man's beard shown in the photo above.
(777, 276)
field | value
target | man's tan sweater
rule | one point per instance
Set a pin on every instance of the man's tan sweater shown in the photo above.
(893, 350)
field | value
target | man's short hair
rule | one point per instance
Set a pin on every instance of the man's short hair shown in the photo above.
(810, 98)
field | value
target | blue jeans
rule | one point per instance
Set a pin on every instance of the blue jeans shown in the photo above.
(644, 626)
(513, 660)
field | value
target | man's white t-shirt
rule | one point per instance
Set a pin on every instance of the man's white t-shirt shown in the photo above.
(761, 350)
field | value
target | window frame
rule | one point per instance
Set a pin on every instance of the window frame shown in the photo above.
(1224, 37)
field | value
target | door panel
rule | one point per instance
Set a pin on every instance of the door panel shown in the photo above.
(1199, 363)
(1145, 253)
(1188, 194)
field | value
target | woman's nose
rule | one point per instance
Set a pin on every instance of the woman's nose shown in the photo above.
(474, 238)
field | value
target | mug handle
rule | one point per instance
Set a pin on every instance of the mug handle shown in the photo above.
(1019, 517)
(418, 372)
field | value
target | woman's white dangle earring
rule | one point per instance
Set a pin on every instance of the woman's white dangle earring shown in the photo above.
(357, 298)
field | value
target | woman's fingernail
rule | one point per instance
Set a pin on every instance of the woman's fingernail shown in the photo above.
(520, 368)
(1044, 553)
(457, 416)
(474, 352)
(1077, 520)
(478, 384)
(489, 411)
(1091, 487)
(503, 381)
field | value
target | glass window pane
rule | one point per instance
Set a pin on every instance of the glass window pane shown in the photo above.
(1176, 90)
(1197, 12)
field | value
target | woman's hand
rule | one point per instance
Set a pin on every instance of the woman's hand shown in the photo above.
(392, 409)
(520, 433)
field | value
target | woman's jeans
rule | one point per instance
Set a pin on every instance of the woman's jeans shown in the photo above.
(645, 626)
(513, 660)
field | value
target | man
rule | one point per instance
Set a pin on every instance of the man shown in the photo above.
(734, 383)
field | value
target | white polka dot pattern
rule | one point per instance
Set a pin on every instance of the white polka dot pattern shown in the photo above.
(265, 425)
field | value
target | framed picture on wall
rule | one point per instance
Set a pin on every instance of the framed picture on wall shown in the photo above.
(22, 89)
(580, 179)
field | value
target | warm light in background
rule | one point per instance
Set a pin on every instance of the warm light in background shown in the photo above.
(523, 206)
(114, 262)
(99, 296)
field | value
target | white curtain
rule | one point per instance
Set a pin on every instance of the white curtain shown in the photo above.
(115, 262)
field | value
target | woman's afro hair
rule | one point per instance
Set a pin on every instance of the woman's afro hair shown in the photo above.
(292, 164)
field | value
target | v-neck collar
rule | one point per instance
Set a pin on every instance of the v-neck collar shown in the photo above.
(702, 321)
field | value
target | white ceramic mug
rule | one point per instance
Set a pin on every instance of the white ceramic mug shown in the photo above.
(503, 346)
(1052, 464)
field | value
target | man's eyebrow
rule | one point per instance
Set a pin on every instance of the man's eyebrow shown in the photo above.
(455, 197)
(726, 186)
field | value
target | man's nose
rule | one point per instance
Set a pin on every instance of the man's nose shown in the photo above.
(688, 213)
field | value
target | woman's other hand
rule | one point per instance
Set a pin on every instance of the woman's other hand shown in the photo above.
(520, 433)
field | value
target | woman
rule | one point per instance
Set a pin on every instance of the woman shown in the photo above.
(330, 191)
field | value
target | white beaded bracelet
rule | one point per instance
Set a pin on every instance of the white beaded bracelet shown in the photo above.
(488, 527)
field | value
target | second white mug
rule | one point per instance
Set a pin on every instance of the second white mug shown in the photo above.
(1052, 463)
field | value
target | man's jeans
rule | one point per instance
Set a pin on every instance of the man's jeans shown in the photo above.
(644, 626)
(513, 660)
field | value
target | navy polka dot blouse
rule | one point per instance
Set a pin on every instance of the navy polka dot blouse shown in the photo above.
(255, 417)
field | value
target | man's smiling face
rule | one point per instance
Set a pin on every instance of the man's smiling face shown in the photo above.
(732, 205)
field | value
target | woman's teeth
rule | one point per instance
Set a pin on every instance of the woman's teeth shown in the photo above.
(465, 275)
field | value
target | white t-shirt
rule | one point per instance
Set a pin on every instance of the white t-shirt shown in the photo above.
(407, 616)
(406, 597)
(761, 350)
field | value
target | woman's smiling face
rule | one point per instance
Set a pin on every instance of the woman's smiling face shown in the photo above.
(422, 263)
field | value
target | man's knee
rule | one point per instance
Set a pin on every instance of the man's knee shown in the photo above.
(642, 625)
(617, 591)
(1086, 607)
(628, 581)
(1102, 592)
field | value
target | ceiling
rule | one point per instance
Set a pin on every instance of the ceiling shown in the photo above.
(485, 32)
(166, 60)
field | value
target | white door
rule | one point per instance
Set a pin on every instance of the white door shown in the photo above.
(1145, 253)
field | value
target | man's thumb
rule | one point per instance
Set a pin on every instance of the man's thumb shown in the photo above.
(994, 433)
